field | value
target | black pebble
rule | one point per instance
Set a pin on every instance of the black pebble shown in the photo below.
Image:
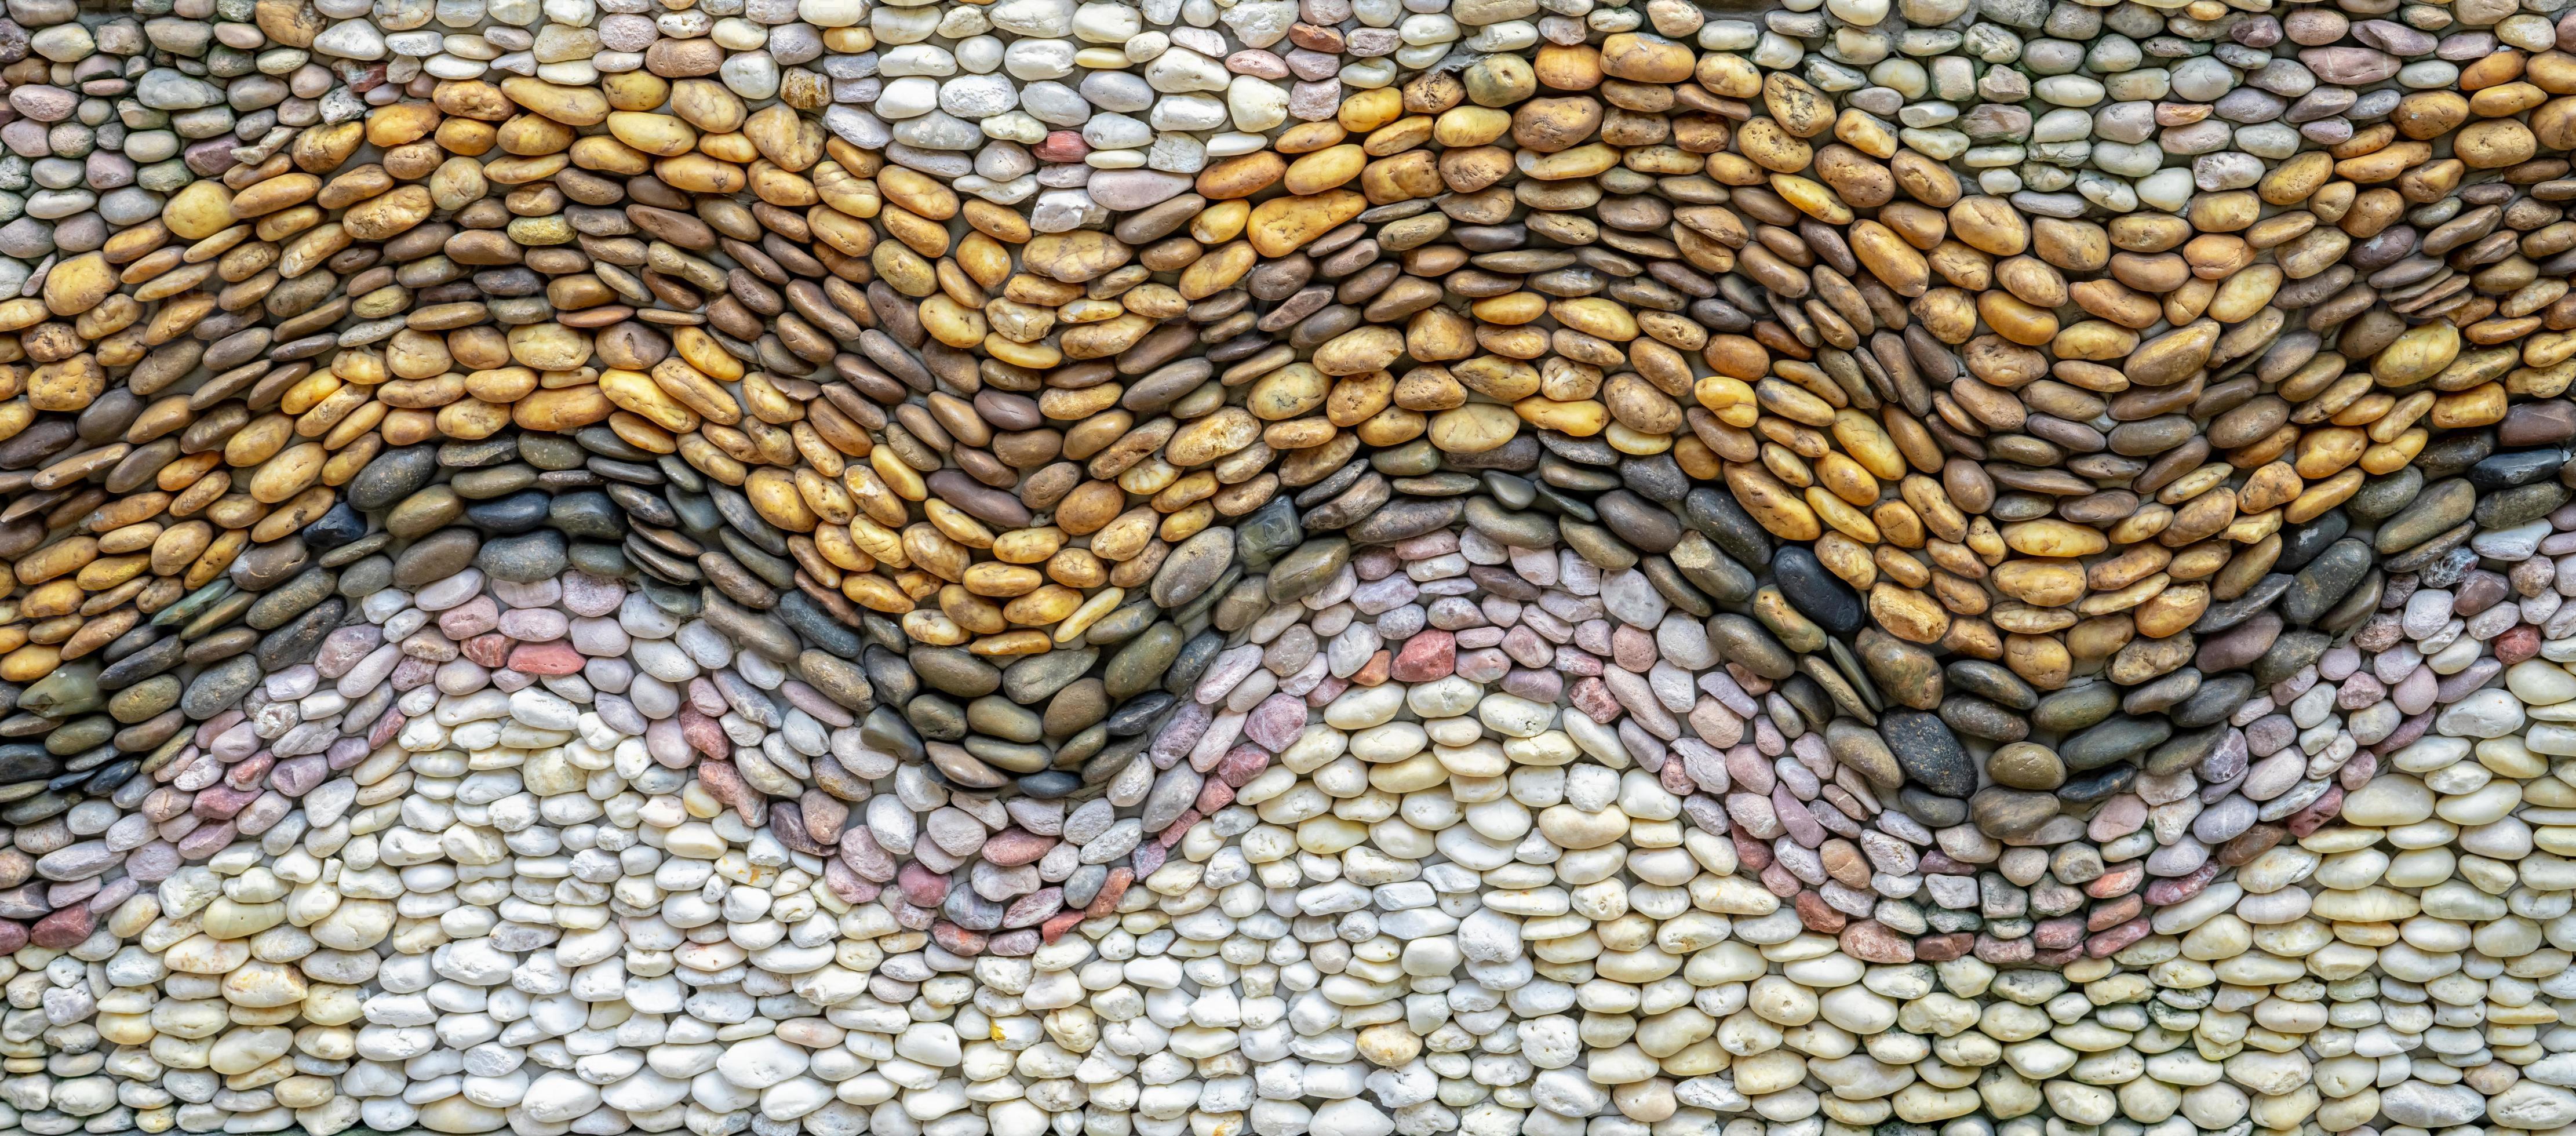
(1815, 592)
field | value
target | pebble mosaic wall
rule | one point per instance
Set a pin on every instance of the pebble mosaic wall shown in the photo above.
(1285, 567)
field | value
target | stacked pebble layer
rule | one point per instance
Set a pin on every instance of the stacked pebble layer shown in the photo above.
(1988, 567)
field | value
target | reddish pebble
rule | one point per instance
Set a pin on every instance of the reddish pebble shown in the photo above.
(921, 886)
(1034, 908)
(1794, 816)
(1593, 697)
(469, 619)
(1535, 685)
(1059, 923)
(1213, 795)
(2314, 817)
(704, 734)
(2116, 939)
(412, 673)
(1633, 649)
(847, 884)
(2406, 734)
(1943, 948)
(63, 929)
(247, 774)
(1314, 37)
(824, 815)
(2520, 644)
(1278, 721)
(1484, 664)
(861, 852)
(551, 658)
(2167, 892)
(1427, 657)
(1675, 779)
(2120, 880)
(2241, 849)
(909, 917)
(1013, 847)
(2058, 957)
(704, 695)
(2004, 952)
(1782, 883)
(220, 802)
(957, 940)
(2058, 934)
(1111, 891)
(787, 822)
(297, 776)
(203, 842)
(1240, 765)
(2105, 916)
(725, 784)
(164, 803)
(1061, 146)
(386, 729)
(1755, 855)
(1870, 941)
(1752, 684)
(486, 650)
(114, 895)
(1256, 62)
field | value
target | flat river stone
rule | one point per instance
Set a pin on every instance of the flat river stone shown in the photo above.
(2441, 506)
(1928, 752)
(2327, 579)
(2117, 739)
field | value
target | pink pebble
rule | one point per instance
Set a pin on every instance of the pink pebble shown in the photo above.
(342, 649)
(2414, 694)
(1061, 146)
(412, 674)
(236, 743)
(588, 595)
(1427, 656)
(460, 677)
(1315, 101)
(542, 593)
(534, 624)
(1256, 62)
(216, 725)
(2119, 816)
(1483, 664)
(1428, 545)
